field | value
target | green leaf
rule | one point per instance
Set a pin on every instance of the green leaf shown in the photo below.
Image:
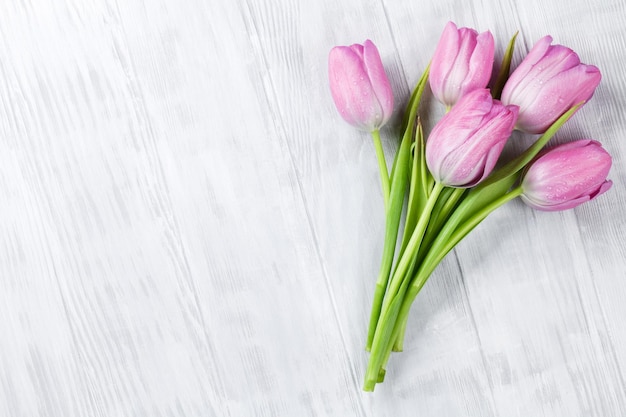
(408, 121)
(505, 68)
(426, 180)
(394, 212)
(399, 182)
(417, 197)
(414, 101)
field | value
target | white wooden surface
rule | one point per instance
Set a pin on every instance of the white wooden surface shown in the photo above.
(187, 228)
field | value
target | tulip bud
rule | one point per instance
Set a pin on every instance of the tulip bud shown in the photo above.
(567, 176)
(548, 82)
(359, 85)
(462, 63)
(464, 146)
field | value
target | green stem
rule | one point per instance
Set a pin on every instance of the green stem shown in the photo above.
(474, 207)
(392, 223)
(383, 333)
(446, 203)
(399, 180)
(436, 254)
(450, 204)
(395, 294)
(398, 344)
(382, 167)
(453, 232)
(413, 245)
(473, 221)
(417, 199)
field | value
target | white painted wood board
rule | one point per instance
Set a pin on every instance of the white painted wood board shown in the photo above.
(189, 229)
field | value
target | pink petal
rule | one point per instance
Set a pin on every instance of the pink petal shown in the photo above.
(443, 59)
(378, 78)
(351, 89)
(510, 91)
(481, 63)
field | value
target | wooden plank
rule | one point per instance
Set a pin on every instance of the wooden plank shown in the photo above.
(190, 229)
(190, 274)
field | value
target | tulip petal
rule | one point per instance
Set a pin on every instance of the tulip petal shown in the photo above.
(464, 146)
(378, 79)
(460, 67)
(556, 96)
(554, 207)
(557, 60)
(481, 152)
(567, 176)
(462, 62)
(351, 89)
(516, 86)
(443, 59)
(482, 59)
(357, 49)
(548, 82)
(534, 55)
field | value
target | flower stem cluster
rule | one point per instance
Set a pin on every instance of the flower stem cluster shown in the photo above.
(447, 181)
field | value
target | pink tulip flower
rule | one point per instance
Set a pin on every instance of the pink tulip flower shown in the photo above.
(464, 146)
(567, 176)
(359, 85)
(548, 82)
(462, 63)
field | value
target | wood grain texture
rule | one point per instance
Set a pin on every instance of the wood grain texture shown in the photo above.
(189, 229)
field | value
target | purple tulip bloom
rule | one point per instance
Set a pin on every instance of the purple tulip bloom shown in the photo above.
(464, 146)
(359, 85)
(548, 82)
(462, 63)
(567, 176)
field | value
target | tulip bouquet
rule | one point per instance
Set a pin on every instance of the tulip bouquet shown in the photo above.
(447, 182)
